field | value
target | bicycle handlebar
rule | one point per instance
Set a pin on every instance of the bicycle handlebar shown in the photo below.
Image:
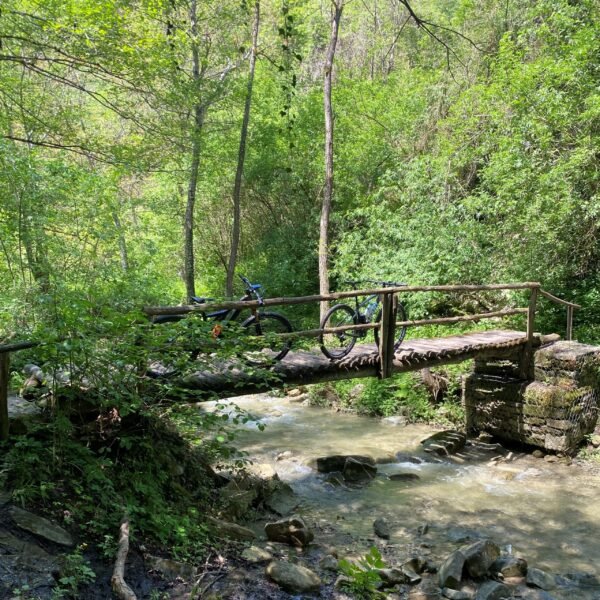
(251, 289)
(381, 283)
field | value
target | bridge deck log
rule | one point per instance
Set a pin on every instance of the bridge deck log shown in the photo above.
(302, 368)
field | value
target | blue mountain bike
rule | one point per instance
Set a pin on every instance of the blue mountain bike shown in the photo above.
(260, 323)
(339, 344)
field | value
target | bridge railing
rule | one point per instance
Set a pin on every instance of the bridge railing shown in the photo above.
(388, 322)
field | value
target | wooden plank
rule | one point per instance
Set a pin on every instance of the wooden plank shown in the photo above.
(4, 374)
(289, 301)
(301, 367)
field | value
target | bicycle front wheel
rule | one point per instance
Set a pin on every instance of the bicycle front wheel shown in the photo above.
(270, 347)
(400, 331)
(339, 344)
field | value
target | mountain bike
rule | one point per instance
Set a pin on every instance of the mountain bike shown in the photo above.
(260, 323)
(337, 345)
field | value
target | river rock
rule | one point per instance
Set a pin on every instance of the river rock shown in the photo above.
(381, 527)
(329, 563)
(493, 590)
(526, 593)
(404, 477)
(358, 471)
(337, 462)
(231, 530)
(283, 500)
(292, 531)
(460, 535)
(451, 570)
(583, 579)
(41, 527)
(171, 569)
(509, 566)
(479, 557)
(295, 579)
(444, 443)
(540, 579)
(456, 594)
(256, 555)
(393, 576)
(420, 564)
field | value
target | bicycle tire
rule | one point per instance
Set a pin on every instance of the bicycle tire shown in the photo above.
(265, 324)
(400, 331)
(338, 316)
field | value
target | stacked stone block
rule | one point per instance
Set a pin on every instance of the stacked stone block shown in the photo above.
(553, 412)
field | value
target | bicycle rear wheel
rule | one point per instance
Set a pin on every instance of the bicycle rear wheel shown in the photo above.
(339, 344)
(400, 331)
(270, 348)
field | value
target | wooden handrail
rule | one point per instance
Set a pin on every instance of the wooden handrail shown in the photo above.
(13, 347)
(558, 300)
(288, 301)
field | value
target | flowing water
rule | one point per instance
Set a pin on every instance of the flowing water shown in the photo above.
(547, 513)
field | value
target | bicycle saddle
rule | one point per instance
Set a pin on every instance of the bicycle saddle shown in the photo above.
(201, 300)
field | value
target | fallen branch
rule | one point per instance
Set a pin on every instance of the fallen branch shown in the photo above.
(117, 581)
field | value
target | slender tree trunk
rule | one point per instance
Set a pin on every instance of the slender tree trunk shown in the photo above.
(328, 188)
(188, 224)
(237, 188)
(121, 239)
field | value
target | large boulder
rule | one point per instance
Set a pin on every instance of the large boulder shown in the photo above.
(41, 527)
(294, 579)
(337, 462)
(509, 566)
(450, 574)
(232, 531)
(493, 590)
(358, 471)
(540, 579)
(479, 557)
(292, 531)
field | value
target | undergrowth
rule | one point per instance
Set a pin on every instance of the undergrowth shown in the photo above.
(403, 394)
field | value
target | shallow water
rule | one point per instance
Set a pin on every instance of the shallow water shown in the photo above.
(545, 513)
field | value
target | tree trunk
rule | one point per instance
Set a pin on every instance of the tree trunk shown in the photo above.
(328, 188)
(122, 242)
(188, 224)
(237, 188)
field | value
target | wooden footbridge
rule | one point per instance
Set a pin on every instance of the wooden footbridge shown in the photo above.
(300, 367)
(368, 360)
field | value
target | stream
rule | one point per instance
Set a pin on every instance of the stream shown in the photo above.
(544, 512)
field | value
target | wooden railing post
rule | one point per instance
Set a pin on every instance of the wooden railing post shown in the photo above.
(527, 358)
(569, 323)
(389, 310)
(4, 374)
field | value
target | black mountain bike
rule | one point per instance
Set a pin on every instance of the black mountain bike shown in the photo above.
(337, 345)
(259, 323)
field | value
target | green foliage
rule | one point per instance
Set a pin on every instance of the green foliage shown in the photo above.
(403, 394)
(75, 573)
(363, 576)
